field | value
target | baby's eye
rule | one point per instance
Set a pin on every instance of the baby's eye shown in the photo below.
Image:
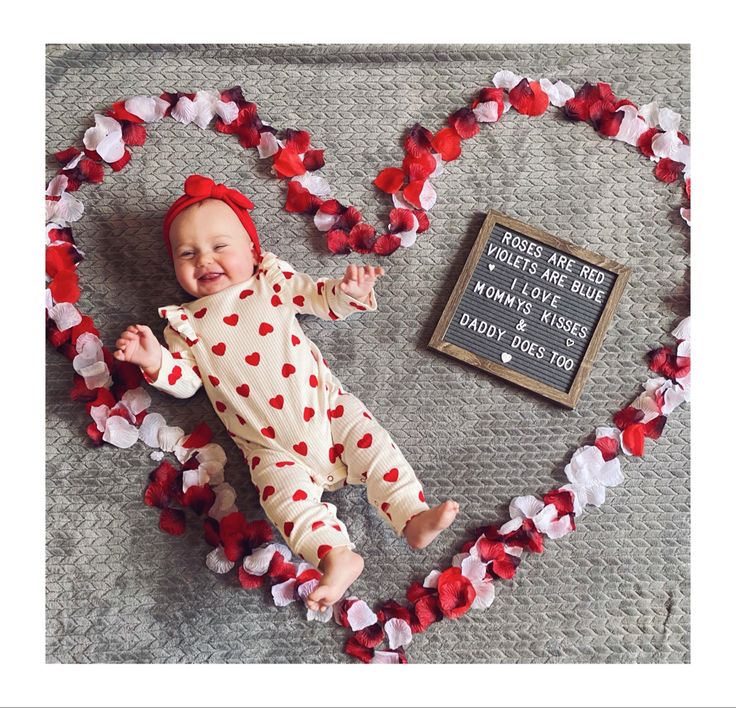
(223, 245)
(185, 254)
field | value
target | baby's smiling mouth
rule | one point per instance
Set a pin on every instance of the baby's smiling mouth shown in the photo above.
(210, 276)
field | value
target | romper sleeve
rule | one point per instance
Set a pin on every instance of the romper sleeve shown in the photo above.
(178, 375)
(322, 298)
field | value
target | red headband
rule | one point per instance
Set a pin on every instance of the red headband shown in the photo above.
(196, 189)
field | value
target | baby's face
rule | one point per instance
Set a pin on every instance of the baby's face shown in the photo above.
(211, 248)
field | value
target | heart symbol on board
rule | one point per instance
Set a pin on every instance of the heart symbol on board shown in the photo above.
(569, 342)
(506, 357)
(491, 267)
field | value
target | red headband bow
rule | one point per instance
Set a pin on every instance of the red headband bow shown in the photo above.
(198, 188)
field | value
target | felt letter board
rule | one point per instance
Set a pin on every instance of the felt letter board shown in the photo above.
(530, 308)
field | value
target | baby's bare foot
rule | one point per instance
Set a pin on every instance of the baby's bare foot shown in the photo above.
(340, 567)
(422, 529)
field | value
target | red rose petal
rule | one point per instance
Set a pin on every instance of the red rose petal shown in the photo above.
(389, 180)
(172, 521)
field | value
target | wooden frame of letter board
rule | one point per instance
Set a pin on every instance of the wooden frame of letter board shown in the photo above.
(570, 398)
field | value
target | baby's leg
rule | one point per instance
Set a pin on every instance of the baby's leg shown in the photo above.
(292, 502)
(392, 486)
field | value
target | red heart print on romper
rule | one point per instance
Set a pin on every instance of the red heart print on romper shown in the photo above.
(220, 406)
(265, 328)
(365, 441)
(213, 380)
(317, 525)
(231, 320)
(243, 390)
(253, 359)
(299, 495)
(295, 340)
(301, 448)
(298, 300)
(335, 452)
(323, 550)
(421, 496)
(276, 301)
(288, 528)
(244, 293)
(277, 401)
(308, 413)
(240, 418)
(267, 492)
(219, 348)
(287, 370)
(175, 375)
(313, 381)
(268, 432)
(335, 412)
(200, 313)
(392, 475)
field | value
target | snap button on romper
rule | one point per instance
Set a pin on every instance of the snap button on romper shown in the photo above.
(299, 430)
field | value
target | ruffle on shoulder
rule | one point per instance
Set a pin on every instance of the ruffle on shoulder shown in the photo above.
(178, 318)
(271, 269)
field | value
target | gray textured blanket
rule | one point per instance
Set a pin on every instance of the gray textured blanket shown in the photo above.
(617, 590)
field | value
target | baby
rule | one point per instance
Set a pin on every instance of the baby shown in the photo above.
(300, 431)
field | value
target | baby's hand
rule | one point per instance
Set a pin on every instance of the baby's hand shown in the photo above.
(358, 280)
(139, 345)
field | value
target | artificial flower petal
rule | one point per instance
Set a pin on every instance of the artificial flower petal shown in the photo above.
(217, 562)
(148, 108)
(284, 593)
(148, 432)
(398, 633)
(119, 432)
(485, 593)
(381, 656)
(559, 93)
(360, 616)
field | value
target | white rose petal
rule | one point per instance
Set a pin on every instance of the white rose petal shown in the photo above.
(431, 580)
(458, 558)
(400, 203)
(106, 138)
(156, 455)
(428, 196)
(218, 562)
(184, 111)
(168, 437)
(632, 126)
(228, 112)
(511, 525)
(361, 616)
(148, 432)
(314, 184)
(99, 415)
(486, 112)
(559, 93)
(64, 211)
(381, 656)
(57, 186)
(148, 108)
(137, 400)
(193, 478)
(682, 331)
(323, 221)
(267, 145)
(506, 79)
(525, 507)
(212, 452)
(120, 432)
(485, 592)
(65, 315)
(650, 113)
(685, 214)
(669, 120)
(284, 593)
(473, 569)
(666, 144)
(97, 375)
(398, 632)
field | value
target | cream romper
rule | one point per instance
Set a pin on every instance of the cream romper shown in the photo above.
(300, 432)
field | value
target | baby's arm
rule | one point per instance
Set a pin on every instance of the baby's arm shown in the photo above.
(170, 370)
(333, 298)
